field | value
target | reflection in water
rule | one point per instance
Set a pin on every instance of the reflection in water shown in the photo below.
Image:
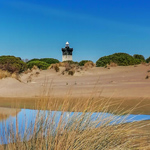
(6, 112)
(29, 120)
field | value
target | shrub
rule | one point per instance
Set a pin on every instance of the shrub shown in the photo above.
(71, 62)
(140, 57)
(148, 60)
(12, 64)
(121, 59)
(46, 60)
(39, 64)
(81, 63)
(68, 66)
(147, 77)
(50, 60)
(55, 67)
(89, 64)
(112, 64)
(61, 64)
(4, 74)
(71, 72)
(34, 68)
(35, 59)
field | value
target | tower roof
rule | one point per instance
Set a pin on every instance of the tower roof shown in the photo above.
(67, 43)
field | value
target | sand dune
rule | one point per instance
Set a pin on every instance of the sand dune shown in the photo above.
(115, 82)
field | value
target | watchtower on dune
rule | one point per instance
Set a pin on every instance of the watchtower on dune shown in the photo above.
(67, 53)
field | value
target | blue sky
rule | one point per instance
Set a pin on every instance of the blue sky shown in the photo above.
(94, 28)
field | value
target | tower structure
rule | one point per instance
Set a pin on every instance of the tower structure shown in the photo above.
(67, 53)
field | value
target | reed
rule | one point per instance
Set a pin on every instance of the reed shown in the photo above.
(74, 132)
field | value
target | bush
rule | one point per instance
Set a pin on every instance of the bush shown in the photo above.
(55, 67)
(121, 59)
(140, 57)
(4, 74)
(39, 64)
(71, 62)
(148, 60)
(71, 72)
(12, 64)
(81, 63)
(46, 60)
(89, 64)
(50, 60)
(35, 59)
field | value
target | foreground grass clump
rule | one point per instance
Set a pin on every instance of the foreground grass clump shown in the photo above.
(77, 132)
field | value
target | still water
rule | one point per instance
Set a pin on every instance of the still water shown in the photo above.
(25, 121)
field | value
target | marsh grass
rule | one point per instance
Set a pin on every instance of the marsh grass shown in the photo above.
(78, 131)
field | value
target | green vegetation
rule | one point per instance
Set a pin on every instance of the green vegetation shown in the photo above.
(148, 60)
(140, 57)
(42, 63)
(71, 62)
(121, 59)
(50, 60)
(71, 72)
(35, 59)
(12, 64)
(46, 60)
(39, 64)
(81, 63)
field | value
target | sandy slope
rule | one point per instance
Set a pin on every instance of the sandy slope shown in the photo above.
(115, 82)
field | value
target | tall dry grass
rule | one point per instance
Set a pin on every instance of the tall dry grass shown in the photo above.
(5, 74)
(77, 132)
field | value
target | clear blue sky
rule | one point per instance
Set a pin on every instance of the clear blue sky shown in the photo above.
(94, 28)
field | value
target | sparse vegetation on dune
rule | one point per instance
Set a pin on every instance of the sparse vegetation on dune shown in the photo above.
(89, 64)
(5, 74)
(81, 63)
(14, 65)
(55, 67)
